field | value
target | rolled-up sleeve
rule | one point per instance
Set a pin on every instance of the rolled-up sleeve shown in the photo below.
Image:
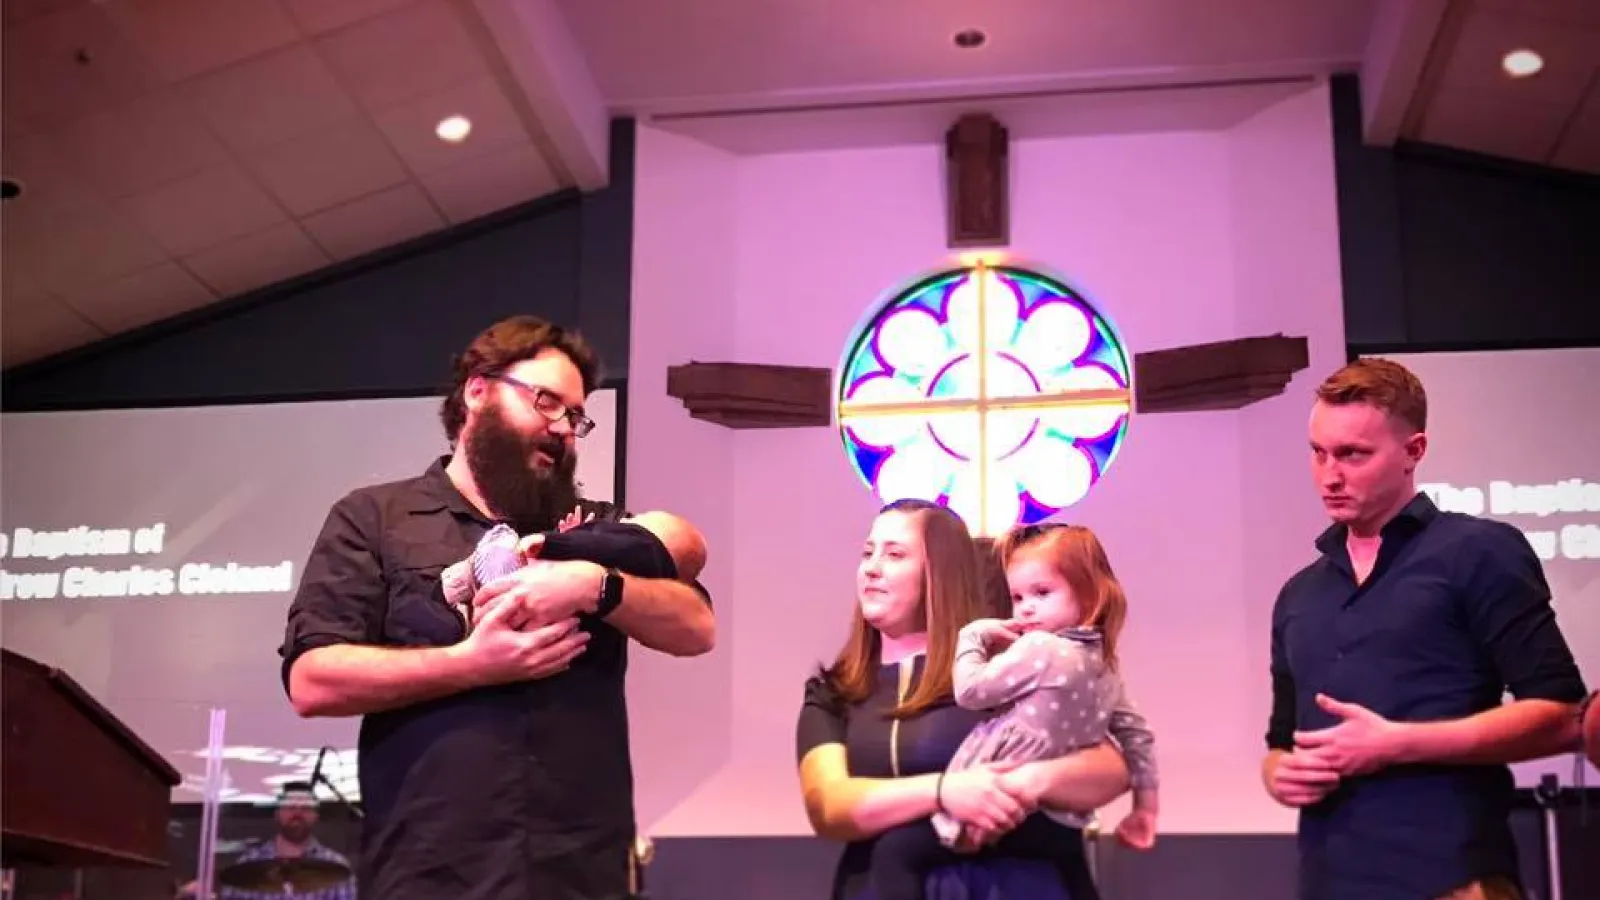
(1508, 610)
(342, 593)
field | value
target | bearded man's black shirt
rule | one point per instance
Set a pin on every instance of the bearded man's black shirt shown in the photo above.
(504, 793)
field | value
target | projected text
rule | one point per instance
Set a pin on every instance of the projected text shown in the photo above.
(1550, 506)
(91, 569)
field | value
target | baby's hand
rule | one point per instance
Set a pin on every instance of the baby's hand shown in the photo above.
(1138, 830)
(528, 548)
(573, 519)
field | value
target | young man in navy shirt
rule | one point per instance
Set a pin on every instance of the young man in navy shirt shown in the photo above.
(1391, 655)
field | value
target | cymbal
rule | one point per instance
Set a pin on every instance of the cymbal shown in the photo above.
(302, 875)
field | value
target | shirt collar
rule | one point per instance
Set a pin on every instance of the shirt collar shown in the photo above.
(1411, 518)
(434, 491)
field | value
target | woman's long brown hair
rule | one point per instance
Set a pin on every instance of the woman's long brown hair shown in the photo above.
(1078, 555)
(952, 596)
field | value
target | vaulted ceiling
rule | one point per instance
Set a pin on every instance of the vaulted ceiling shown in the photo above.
(173, 153)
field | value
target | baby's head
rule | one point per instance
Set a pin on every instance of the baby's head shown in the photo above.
(1059, 578)
(682, 540)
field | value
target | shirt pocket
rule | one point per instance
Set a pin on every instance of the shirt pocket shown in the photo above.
(418, 615)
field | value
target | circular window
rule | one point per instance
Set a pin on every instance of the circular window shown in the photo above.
(1009, 436)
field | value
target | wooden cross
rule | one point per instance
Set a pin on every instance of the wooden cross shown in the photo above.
(1215, 376)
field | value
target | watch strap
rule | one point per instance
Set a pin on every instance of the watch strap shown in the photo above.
(610, 594)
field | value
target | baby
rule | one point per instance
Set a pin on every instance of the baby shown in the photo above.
(1049, 674)
(647, 545)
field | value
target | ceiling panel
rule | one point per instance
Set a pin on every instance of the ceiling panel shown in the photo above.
(406, 53)
(410, 128)
(14, 12)
(328, 167)
(183, 38)
(256, 260)
(321, 16)
(71, 62)
(54, 187)
(374, 222)
(203, 210)
(172, 151)
(1485, 36)
(176, 152)
(140, 145)
(36, 326)
(471, 189)
(1580, 143)
(1485, 121)
(1467, 100)
(271, 99)
(93, 244)
(139, 299)
(1573, 12)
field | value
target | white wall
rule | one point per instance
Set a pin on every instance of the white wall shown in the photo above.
(1179, 238)
(684, 304)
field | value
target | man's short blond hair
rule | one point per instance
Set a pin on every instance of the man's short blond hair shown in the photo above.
(1379, 383)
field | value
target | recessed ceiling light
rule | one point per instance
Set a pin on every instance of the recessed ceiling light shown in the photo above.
(970, 39)
(453, 129)
(1522, 63)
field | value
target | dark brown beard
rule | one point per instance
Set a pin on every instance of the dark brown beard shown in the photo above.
(526, 497)
(295, 832)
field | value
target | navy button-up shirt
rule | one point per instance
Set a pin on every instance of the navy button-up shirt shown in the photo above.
(1455, 612)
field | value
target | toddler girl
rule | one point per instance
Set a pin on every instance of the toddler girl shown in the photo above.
(1050, 674)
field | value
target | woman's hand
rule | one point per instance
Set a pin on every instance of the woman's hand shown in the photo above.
(980, 800)
(1019, 781)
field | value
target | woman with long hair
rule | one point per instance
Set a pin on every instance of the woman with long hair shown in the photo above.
(879, 726)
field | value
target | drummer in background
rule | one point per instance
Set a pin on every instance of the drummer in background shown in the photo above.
(296, 817)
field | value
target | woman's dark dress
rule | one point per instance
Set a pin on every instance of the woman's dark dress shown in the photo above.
(876, 748)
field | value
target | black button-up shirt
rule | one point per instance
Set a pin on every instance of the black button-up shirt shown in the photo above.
(518, 791)
(1455, 612)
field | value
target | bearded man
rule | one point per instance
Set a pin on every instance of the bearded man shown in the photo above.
(493, 760)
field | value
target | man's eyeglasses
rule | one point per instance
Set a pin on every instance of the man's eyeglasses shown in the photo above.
(550, 406)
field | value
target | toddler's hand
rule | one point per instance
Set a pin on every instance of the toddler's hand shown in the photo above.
(994, 634)
(966, 842)
(1000, 638)
(989, 630)
(1138, 830)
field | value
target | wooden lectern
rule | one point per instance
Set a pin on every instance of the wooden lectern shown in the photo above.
(80, 790)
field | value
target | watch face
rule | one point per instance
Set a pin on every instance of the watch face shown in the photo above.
(610, 592)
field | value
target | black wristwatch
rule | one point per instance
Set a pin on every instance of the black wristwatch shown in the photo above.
(610, 594)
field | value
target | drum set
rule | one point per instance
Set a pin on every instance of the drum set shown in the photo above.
(292, 876)
(289, 876)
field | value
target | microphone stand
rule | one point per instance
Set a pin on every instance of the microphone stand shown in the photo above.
(1548, 796)
(318, 778)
